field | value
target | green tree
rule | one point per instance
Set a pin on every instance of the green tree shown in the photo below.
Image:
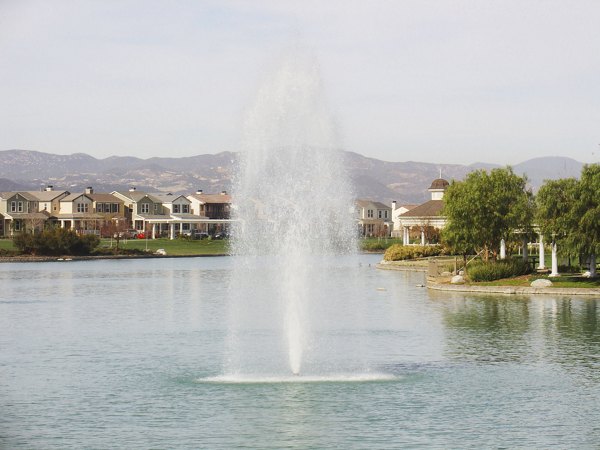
(485, 208)
(555, 211)
(569, 210)
(587, 210)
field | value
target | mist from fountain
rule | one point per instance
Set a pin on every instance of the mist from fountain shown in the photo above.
(293, 206)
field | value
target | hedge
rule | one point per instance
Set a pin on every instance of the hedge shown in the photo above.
(398, 252)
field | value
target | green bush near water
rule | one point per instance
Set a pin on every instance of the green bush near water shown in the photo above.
(497, 270)
(56, 242)
(399, 252)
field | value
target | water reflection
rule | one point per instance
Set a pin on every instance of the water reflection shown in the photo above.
(560, 331)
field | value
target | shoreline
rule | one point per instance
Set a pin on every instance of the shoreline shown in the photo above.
(26, 259)
(505, 290)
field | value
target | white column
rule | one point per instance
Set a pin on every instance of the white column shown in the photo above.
(542, 264)
(554, 272)
(592, 265)
(502, 249)
(422, 237)
(171, 231)
(404, 236)
(153, 231)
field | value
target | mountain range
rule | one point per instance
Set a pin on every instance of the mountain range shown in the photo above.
(384, 181)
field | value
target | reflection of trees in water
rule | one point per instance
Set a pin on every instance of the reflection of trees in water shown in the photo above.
(558, 331)
(486, 329)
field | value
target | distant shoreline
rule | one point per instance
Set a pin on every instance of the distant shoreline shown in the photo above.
(26, 259)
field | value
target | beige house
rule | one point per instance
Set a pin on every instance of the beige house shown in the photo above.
(213, 210)
(424, 220)
(180, 218)
(28, 210)
(374, 218)
(144, 211)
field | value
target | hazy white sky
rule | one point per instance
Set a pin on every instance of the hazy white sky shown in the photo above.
(433, 81)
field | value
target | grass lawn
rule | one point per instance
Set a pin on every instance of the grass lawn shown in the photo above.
(564, 281)
(7, 244)
(175, 247)
(377, 244)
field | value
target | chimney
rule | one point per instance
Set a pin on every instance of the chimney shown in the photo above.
(89, 190)
(132, 189)
(49, 188)
(393, 205)
(223, 192)
(199, 191)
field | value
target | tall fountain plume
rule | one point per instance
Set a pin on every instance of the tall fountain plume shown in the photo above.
(293, 207)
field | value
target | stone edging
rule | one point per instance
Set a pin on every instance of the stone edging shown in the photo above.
(512, 290)
(402, 268)
(508, 290)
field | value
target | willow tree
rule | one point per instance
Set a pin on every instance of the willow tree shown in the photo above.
(586, 211)
(555, 215)
(484, 209)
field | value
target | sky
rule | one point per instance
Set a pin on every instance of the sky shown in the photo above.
(460, 81)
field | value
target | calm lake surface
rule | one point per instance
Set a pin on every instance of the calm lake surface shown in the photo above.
(128, 354)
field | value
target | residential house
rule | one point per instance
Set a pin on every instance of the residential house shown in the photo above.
(77, 213)
(374, 218)
(214, 210)
(181, 220)
(144, 211)
(19, 212)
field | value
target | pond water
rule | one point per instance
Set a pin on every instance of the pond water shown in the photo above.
(131, 354)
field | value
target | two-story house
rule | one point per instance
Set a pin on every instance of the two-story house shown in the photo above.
(144, 211)
(374, 218)
(214, 211)
(180, 218)
(20, 212)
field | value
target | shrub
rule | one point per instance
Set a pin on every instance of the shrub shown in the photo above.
(374, 246)
(398, 252)
(56, 241)
(496, 270)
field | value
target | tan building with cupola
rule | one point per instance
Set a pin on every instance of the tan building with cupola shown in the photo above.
(421, 224)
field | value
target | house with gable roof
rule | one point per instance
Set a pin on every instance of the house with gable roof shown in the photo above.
(28, 210)
(77, 213)
(19, 212)
(374, 218)
(213, 210)
(181, 220)
(142, 209)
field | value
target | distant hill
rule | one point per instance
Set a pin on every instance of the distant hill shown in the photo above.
(405, 182)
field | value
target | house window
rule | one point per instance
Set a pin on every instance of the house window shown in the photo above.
(185, 209)
(369, 213)
(176, 209)
(82, 207)
(17, 225)
(13, 206)
(99, 207)
(19, 206)
(386, 213)
(114, 207)
(145, 208)
(156, 208)
(380, 214)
